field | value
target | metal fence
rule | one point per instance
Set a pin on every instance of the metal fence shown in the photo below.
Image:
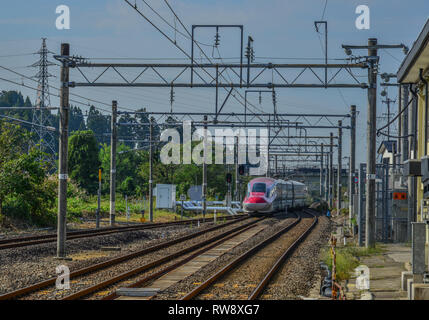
(391, 212)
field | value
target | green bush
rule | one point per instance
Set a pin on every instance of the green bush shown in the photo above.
(25, 191)
(345, 262)
(347, 258)
(83, 160)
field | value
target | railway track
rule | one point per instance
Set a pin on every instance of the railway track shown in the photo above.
(37, 290)
(252, 261)
(40, 239)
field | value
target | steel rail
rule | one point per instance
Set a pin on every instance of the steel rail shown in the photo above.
(265, 281)
(230, 266)
(214, 241)
(33, 240)
(114, 261)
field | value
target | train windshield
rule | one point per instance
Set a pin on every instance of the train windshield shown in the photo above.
(259, 187)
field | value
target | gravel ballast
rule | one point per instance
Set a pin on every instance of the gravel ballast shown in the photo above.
(24, 266)
(298, 275)
(179, 289)
(293, 281)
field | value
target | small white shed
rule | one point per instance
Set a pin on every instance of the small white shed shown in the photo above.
(165, 196)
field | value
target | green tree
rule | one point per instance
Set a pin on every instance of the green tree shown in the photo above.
(126, 132)
(83, 160)
(99, 124)
(128, 181)
(15, 99)
(77, 122)
(24, 187)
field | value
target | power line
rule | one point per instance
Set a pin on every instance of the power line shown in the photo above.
(324, 9)
(28, 123)
(17, 55)
(53, 87)
(321, 46)
(174, 28)
(53, 94)
(180, 21)
(175, 43)
(392, 55)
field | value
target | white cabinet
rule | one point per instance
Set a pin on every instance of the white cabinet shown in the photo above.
(165, 196)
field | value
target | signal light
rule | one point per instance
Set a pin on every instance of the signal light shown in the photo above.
(229, 177)
(241, 170)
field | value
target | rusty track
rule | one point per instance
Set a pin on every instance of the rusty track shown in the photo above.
(114, 261)
(265, 281)
(229, 267)
(33, 240)
(210, 243)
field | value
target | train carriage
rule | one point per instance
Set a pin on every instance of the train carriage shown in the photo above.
(266, 195)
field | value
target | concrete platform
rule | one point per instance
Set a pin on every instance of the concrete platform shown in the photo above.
(385, 272)
(197, 263)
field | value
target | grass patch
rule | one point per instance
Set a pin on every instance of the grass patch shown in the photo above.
(346, 262)
(347, 258)
(86, 206)
(364, 252)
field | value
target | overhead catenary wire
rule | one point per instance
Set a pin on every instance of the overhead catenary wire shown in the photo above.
(324, 9)
(174, 28)
(181, 49)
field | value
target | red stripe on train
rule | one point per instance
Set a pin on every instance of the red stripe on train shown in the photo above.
(255, 200)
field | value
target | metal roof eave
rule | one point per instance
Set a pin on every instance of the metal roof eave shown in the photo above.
(418, 47)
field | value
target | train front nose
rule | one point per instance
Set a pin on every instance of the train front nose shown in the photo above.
(256, 204)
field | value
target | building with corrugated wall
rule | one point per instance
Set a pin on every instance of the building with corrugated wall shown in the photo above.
(413, 75)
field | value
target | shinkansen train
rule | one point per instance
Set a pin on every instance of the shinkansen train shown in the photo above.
(266, 195)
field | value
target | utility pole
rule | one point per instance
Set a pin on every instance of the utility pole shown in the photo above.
(331, 171)
(388, 101)
(151, 169)
(327, 179)
(321, 171)
(250, 57)
(412, 142)
(371, 144)
(205, 170)
(373, 60)
(267, 174)
(352, 168)
(340, 160)
(63, 156)
(113, 140)
(404, 122)
(97, 215)
(275, 164)
(237, 181)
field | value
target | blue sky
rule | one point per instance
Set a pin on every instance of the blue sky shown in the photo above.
(281, 28)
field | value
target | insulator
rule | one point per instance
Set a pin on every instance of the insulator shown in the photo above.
(171, 95)
(248, 52)
(217, 39)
